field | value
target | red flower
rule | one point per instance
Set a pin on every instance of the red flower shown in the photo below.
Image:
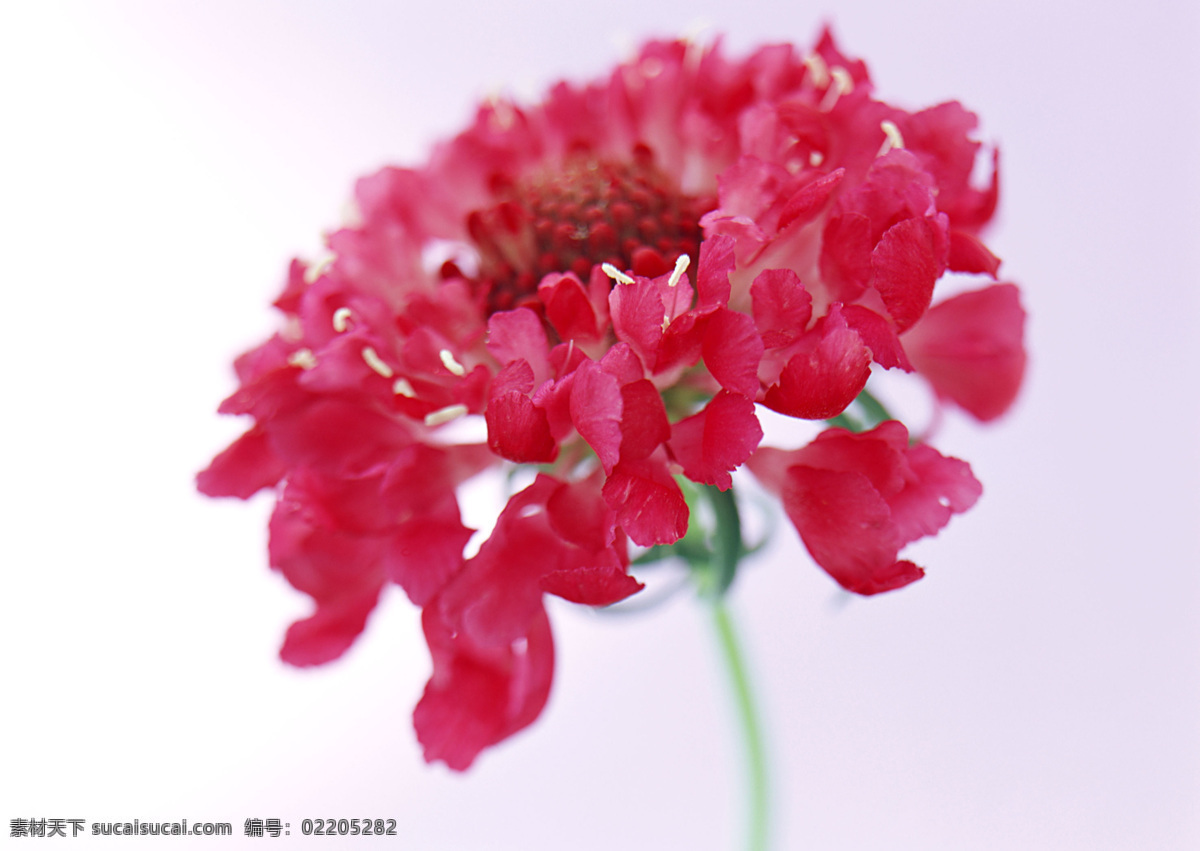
(535, 273)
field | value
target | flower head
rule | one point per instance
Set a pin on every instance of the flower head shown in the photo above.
(615, 280)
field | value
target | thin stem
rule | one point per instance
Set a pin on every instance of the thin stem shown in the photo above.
(756, 760)
(728, 548)
(874, 409)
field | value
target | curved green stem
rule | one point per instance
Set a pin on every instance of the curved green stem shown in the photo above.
(756, 759)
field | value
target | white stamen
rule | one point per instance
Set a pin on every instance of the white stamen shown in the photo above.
(316, 270)
(445, 415)
(616, 274)
(376, 363)
(815, 158)
(503, 116)
(681, 264)
(819, 70)
(892, 139)
(401, 387)
(451, 364)
(292, 330)
(651, 67)
(303, 358)
(843, 84)
(352, 216)
(341, 318)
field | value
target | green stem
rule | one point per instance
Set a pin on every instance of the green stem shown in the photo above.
(728, 548)
(756, 760)
(874, 409)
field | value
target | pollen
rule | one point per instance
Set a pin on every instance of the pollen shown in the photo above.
(401, 387)
(445, 415)
(341, 319)
(376, 363)
(451, 364)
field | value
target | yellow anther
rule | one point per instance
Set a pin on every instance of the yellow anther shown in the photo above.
(401, 387)
(341, 319)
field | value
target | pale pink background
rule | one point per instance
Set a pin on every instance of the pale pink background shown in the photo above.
(1039, 690)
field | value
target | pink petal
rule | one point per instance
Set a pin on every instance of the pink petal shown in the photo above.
(336, 437)
(808, 201)
(426, 550)
(568, 308)
(879, 335)
(578, 513)
(782, 307)
(592, 585)
(328, 632)
(478, 696)
(649, 505)
(969, 254)
(644, 424)
(878, 454)
(637, 317)
(712, 278)
(939, 488)
(518, 430)
(340, 570)
(717, 440)
(971, 349)
(906, 264)
(596, 412)
(828, 370)
(247, 466)
(518, 335)
(732, 350)
(494, 596)
(847, 528)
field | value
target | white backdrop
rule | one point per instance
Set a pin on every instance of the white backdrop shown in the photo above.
(1039, 690)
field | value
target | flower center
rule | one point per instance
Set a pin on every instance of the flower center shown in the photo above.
(586, 211)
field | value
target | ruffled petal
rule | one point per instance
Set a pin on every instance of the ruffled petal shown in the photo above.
(971, 348)
(825, 372)
(782, 307)
(518, 430)
(847, 528)
(732, 350)
(480, 695)
(717, 440)
(649, 505)
(247, 466)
